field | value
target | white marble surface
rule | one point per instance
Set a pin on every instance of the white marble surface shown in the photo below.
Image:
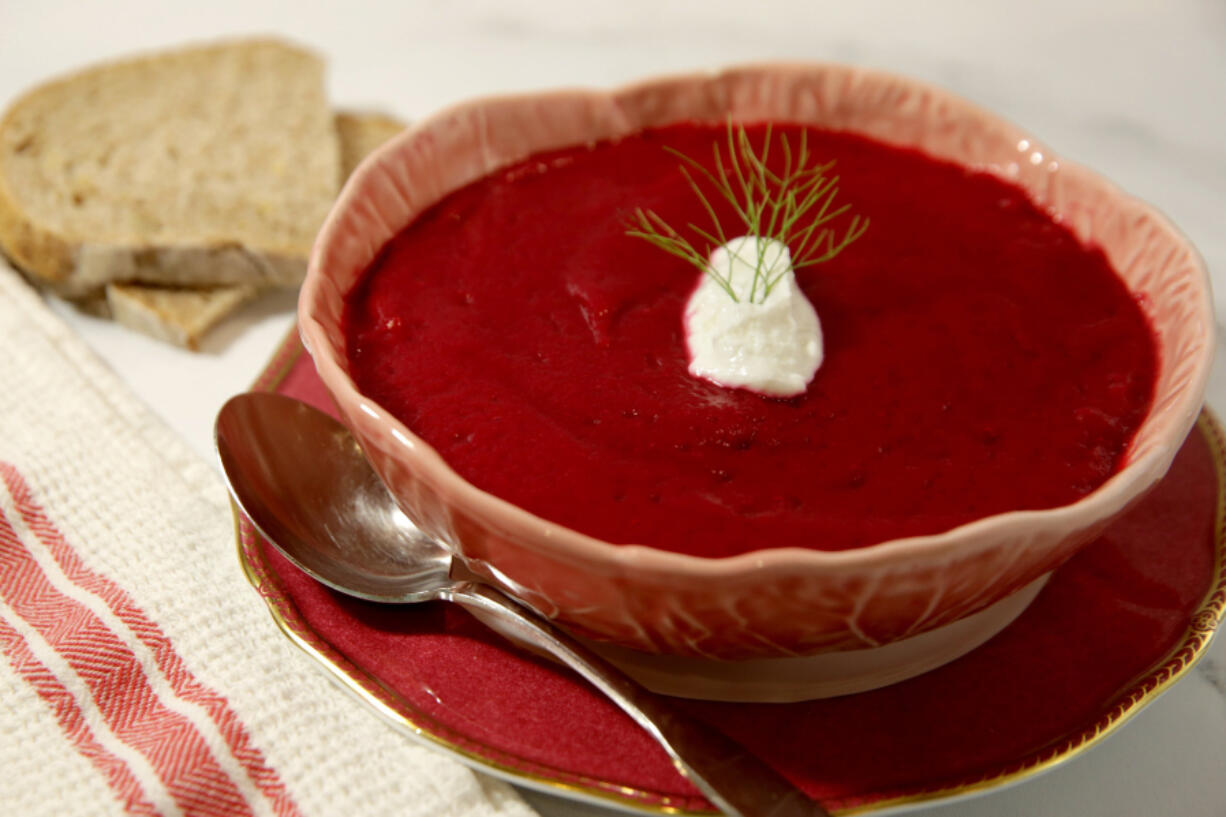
(1133, 89)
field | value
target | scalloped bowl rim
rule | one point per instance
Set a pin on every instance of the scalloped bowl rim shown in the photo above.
(1108, 499)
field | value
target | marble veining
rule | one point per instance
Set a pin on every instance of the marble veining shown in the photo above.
(1213, 669)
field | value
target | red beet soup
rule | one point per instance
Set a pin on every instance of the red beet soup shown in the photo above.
(978, 358)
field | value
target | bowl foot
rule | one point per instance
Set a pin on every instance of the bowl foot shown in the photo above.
(783, 680)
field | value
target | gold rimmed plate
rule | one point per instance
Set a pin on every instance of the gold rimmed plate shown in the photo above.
(1114, 628)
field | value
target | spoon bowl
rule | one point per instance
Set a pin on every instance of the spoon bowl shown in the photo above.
(301, 478)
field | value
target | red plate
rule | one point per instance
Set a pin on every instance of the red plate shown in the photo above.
(1115, 626)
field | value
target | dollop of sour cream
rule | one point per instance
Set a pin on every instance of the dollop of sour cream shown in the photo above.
(773, 347)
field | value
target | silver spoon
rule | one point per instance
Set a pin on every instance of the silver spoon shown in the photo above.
(302, 480)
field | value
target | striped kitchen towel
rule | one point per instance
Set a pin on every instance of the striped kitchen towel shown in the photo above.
(139, 672)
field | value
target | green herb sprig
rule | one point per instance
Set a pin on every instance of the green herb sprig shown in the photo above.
(793, 207)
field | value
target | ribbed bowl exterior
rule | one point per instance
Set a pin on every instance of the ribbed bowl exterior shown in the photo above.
(771, 602)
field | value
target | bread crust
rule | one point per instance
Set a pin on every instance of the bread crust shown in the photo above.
(39, 253)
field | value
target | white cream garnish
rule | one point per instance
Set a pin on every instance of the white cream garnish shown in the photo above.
(773, 347)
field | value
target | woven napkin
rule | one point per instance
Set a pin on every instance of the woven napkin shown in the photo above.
(139, 672)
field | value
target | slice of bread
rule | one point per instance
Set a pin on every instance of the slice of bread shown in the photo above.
(360, 132)
(176, 315)
(202, 166)
(181, 315)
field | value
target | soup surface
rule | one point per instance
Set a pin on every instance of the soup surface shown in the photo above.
(978, 358)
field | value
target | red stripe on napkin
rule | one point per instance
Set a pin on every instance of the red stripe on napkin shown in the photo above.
(64, 707)
(119, 688)
(169, 663)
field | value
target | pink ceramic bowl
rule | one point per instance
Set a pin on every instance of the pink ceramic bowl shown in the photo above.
(775, 602)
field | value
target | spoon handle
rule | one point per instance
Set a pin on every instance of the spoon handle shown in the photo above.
(737, 782)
